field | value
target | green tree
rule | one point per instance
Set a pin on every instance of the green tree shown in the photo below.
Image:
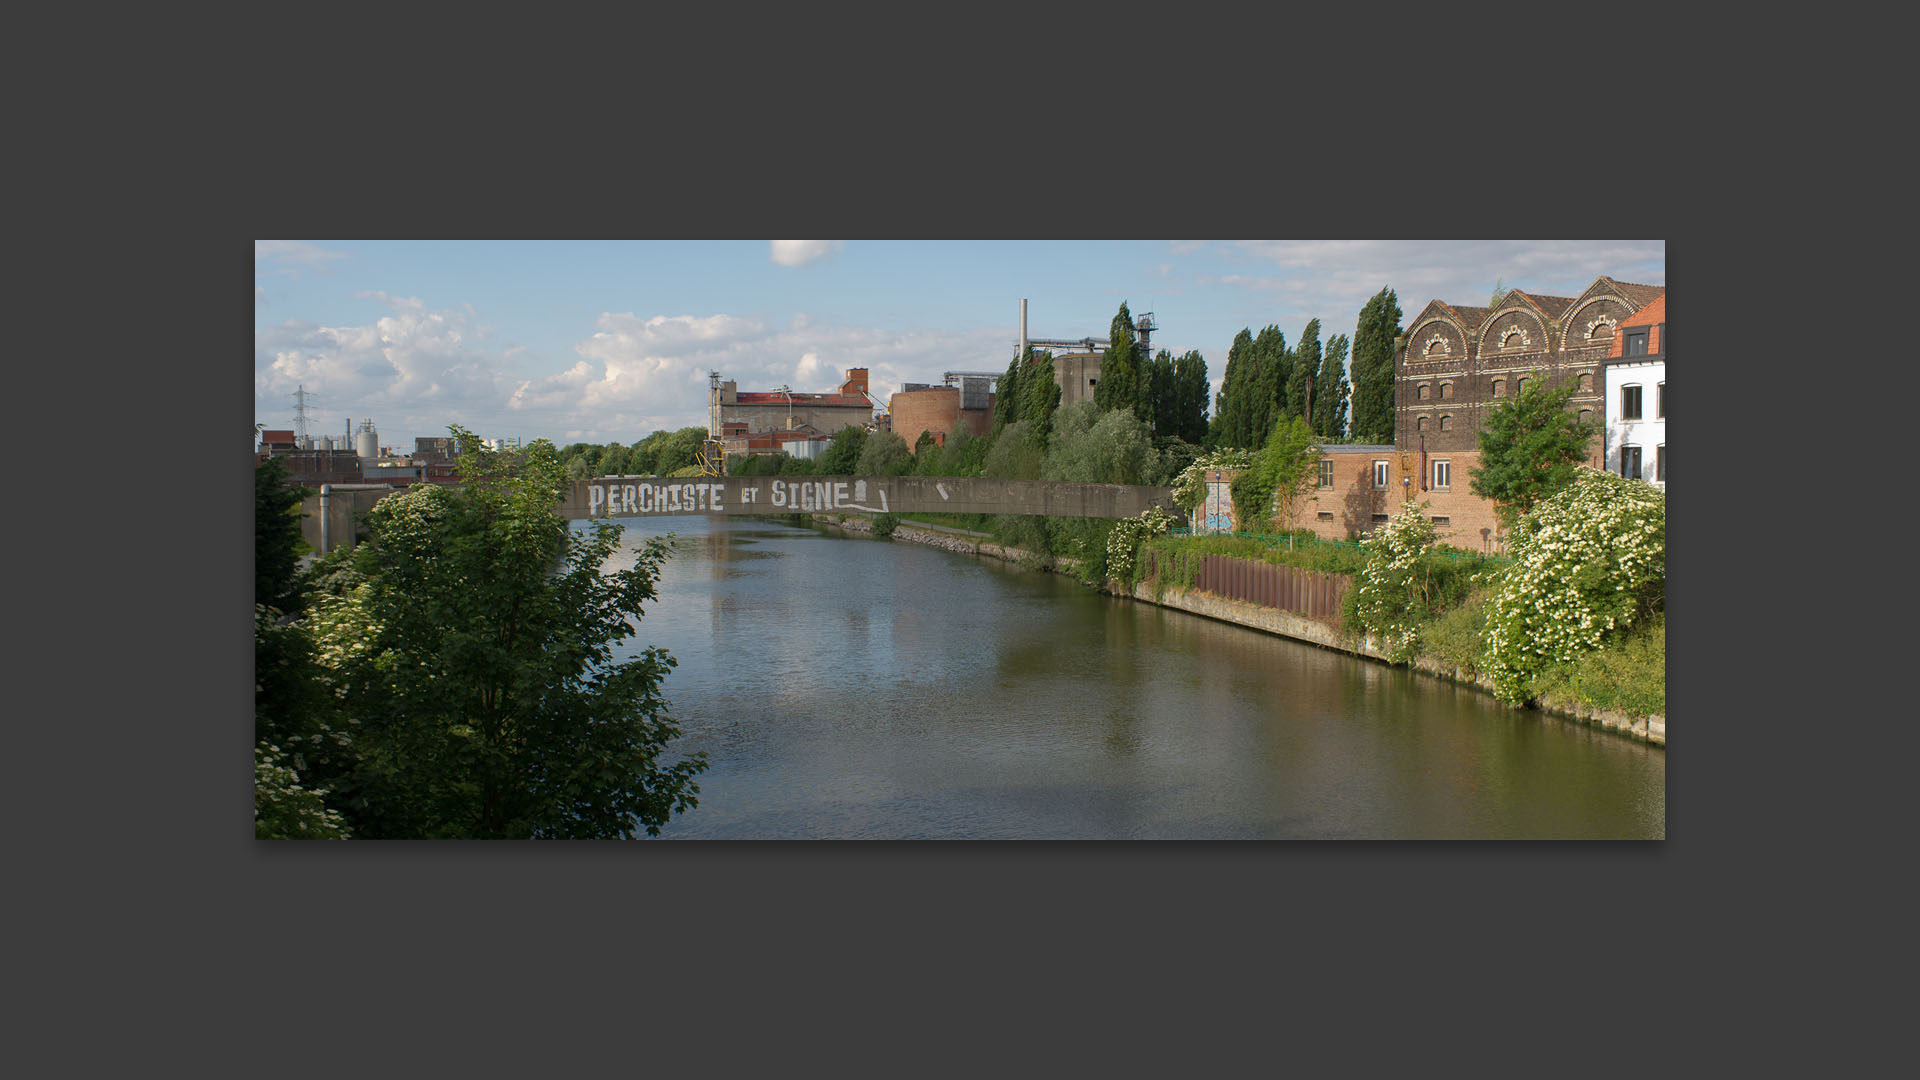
(475, 645)
(1040, 396)
(1006, 392)
(1330, 391)
(1373, 338)
(963, 453)
(1233, 412)
(1273, 365)
(1013, 454)
(1530, 448)
(276, 537)
(1282, 474)
(1306, 371)
(1190, 397)
(1161, 406)
(1095, 446)
(1123, 381)
(884, 454)
(842, 453)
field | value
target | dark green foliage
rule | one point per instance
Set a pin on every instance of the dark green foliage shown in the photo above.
(1040, 397)
(1160, 393)
(926, 455)
(1013, 454)
(1123, 376)
(884, 524)
(1530, 447)
(842, 453)
(1233, 412)
(1330, 391)
(1006, 393)
(963, 453)
(793, 466)
(1272, 365)
(276, 537)
(1373, 369)
(478, 663)
(1305, 371)
(1190, 398)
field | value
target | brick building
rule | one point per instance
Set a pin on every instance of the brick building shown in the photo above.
(1452, 367)
(748, 422)
(941, 410)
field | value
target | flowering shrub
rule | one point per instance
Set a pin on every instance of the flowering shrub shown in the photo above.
(1190, 487)
(1124, 541)
(282, 809)
(1393, 594)
(1588, 562)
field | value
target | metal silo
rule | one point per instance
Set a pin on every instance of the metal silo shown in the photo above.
(367, 443)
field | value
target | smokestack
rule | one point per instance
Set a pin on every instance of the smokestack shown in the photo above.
(1023, 326)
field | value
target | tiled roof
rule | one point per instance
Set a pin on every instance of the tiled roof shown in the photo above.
(1639, 294)
(1654, 314)
(1469, 317)
(275, 435)
(776, 398)
(1550, 306)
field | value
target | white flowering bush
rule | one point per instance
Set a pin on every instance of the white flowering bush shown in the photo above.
(282, 809)
(1393, 593)
(1588, 562)
(1123, 542)
(1190, 487)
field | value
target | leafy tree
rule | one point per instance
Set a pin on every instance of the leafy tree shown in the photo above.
(678, 449)
(474, 648)
(1283, 471)
(1499, 294)
(793, 466)
(276, 537)
(1161, 406)
(283, 809)
(1273, 365)
(1306, 370)
(964, 453)
(1190, 397)
(1123, 380)
(1373, 368)
(1530, 448)
(1040, 396)
(1006, 392)
(1330, 391)
(842, 453)
(884, 454)
(1233, 412)
(1013, 454)
(1095, 446)
(577, 470)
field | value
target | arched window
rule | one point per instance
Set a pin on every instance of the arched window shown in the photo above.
(1586, 416)
(1513, 340)
(1423, 391)
(1586, 382)
(1601, 330)
(1446, 391)
(1519, 387)
(1436, 347)
(1420, 424)
(1446, 423)
(1499, 387)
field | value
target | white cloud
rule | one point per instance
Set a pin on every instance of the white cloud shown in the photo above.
(802, 252)
(291, 257)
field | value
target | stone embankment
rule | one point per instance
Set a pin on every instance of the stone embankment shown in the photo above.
(1651, 729)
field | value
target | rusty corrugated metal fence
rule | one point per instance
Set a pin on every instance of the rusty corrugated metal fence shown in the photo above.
(1311, 593)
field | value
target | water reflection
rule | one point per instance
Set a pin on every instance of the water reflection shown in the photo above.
(848, 687)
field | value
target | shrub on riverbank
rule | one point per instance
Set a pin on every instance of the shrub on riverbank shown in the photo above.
(1626, 676)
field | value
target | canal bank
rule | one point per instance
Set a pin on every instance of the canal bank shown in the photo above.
(1651, 729)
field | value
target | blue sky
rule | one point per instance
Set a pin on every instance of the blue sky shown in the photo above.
(603, 341)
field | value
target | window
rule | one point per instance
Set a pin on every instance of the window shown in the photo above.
(1446, 391)
(1446, 423)
(1586, 382)
(1586, 416)
(1326, 473)
(1660, 401)
(1660, 463)
(1519, 387)
(1630, 403)
(1512, 340)
(1379, 519)
(1635, 342)
(1443, 474)
(1379, 474)
(1630, 462)
(1420, 423)
(1499, 387)
(1423, 391)
(1443, 519)
(1325, 515)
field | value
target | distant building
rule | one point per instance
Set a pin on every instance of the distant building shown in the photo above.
(755, 422)
(942, 410)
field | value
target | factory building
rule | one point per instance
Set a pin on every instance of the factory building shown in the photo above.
(780, 420)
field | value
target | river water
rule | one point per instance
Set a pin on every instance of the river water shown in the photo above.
(851, 688)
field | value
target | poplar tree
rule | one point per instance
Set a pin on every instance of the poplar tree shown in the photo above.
(1190, 397)
(1237, 386)
(1373, 338)
(1306, 369)
(1122, 382)
(1330, 391)
(1269, 402)
(1039, 396)
(1006, 393)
